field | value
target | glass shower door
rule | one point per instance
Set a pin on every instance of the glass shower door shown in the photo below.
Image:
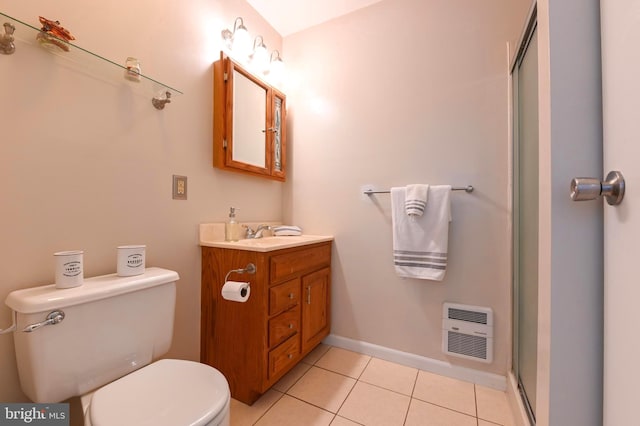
(525, 244)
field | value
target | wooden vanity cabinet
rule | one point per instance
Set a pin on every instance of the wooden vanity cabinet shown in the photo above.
(257, 342)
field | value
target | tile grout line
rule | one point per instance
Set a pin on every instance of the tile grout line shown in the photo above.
(390, 390)
(352, 388)
(312, 404)
(282, 394)
(413, 389)
(268, 409)
(475, 403)
(312, 365)
(406, 414)
(446, 408)
(415, 382)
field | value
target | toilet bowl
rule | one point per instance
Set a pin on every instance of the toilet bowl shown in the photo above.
(168, 392)
(101, 341)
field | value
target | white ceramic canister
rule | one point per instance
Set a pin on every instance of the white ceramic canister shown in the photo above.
(131, 260)
(69, 268)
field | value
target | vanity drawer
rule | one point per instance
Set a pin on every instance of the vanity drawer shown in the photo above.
(283, 326)
(292, 263)
(284, 296)
(284, 356)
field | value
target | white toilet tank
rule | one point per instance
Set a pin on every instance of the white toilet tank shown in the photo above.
(112, 326)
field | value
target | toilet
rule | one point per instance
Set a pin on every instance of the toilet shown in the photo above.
(101, 341)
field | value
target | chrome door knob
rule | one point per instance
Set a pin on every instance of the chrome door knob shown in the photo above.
(612, 189)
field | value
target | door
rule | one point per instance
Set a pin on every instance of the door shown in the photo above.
(620, 27)
(525, 226)
(315, 309)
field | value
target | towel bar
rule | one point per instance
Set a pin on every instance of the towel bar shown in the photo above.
(468, 189)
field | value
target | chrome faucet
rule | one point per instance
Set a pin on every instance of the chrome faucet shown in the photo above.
(258, 232)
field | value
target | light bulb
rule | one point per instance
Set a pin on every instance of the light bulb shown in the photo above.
(260, 58)
(241, 42)
(276, 70)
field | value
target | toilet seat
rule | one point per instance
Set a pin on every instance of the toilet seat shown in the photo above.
(168, 392)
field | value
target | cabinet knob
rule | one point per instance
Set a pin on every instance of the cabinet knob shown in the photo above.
(291, 296)
(290, 326)
(290, 356)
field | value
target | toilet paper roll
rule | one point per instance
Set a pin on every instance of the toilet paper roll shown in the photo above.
(236, 291)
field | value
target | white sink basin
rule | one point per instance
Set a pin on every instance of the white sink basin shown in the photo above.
(268, 243)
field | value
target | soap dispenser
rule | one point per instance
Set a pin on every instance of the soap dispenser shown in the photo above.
(232, 229)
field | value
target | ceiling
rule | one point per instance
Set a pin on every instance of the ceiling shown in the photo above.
(290, 16)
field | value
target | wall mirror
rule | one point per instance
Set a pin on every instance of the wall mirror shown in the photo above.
(248, 122)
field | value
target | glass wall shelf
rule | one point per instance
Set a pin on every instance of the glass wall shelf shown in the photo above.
(80, 58)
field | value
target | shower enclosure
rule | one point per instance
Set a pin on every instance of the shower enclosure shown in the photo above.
(524, 74)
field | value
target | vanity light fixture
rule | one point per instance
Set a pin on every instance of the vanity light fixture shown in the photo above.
(276, 66)
(260, 56)
(238, 40)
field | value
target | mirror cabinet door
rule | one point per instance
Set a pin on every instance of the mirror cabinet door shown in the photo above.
(278, 133)
(248, 123)
(247, 139)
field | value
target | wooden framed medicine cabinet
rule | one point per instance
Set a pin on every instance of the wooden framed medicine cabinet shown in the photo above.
(249, 116)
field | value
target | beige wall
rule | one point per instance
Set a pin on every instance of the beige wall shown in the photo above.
(87, 163)
(406, 91)
(403, 91)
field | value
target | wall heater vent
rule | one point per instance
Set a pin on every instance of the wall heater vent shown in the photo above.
(467, 331)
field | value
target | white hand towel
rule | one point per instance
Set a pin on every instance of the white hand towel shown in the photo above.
(416, 199)
(286, 230)
(420, 243)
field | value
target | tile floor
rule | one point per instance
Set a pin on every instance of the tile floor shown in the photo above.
(336, 387)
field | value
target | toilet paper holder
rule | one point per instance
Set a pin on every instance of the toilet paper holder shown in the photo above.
(249, 269)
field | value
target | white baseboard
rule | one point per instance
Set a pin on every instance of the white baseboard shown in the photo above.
(443, 368)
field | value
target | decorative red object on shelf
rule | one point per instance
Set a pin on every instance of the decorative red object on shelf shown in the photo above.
(54, 28)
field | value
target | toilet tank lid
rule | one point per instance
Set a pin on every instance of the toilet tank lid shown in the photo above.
(45, 298)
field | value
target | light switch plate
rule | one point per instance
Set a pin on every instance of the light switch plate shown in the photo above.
(179, 187)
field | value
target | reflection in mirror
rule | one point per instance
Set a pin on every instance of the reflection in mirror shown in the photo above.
(250, 111)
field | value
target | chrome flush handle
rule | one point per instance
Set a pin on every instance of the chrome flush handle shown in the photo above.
(54, 317)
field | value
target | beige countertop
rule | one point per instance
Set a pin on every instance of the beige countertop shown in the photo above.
(212, 235)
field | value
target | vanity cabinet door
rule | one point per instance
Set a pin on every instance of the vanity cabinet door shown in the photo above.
(315, 308)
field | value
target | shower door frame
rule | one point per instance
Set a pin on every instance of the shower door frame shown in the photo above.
(523, 45)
